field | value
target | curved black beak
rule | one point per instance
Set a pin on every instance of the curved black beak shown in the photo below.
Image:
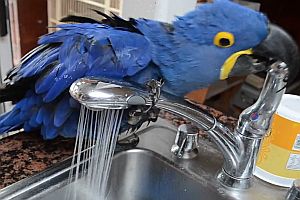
(278, 46)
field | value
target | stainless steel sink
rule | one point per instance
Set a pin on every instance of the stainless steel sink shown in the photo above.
(150, 172)
(144, 175)
(141, 174)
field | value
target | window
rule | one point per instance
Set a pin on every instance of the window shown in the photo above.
(58, 9)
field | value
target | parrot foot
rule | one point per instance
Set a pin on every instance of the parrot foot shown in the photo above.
(127, 143)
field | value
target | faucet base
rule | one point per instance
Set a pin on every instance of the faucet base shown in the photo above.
(238, 183)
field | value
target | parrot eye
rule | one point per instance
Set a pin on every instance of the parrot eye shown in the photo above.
(224, 39)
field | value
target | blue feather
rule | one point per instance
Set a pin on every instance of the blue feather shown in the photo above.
(73, 103)
(70, 128)
(41, 113)
(39, 63)
(62, 112)
(24, 111)
(27, 127)
(10, 118)
(48, 117)
(49, 132)
(32, 121)
(35, 64)
(43, 84)
(64, 80)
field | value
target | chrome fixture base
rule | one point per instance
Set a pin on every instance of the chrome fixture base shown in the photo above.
(233, 182)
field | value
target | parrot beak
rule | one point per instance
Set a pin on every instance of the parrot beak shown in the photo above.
(277, 46)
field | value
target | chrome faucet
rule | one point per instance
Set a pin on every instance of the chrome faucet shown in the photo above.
(239, 148)
(254, 123)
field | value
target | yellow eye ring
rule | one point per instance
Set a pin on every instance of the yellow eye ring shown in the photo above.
(224, 39)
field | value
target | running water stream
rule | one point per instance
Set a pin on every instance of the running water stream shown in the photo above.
(94, 148)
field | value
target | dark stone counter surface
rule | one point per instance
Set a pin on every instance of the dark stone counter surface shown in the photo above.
(25, 154)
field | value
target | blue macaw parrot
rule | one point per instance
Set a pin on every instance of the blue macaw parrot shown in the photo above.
(215, 41)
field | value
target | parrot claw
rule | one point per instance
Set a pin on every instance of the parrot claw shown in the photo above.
(131, 130)
(128, 131)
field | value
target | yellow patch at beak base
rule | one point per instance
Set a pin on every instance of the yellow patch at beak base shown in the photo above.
(230, 62)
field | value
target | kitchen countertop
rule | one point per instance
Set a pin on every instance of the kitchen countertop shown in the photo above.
(26, 154)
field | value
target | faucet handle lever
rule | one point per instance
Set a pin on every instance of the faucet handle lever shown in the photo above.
(186, 142)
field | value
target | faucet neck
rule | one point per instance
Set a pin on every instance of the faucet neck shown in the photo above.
(254, 122)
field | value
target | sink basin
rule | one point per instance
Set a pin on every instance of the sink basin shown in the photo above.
(149, 172)
(141, 174)
(144, 175)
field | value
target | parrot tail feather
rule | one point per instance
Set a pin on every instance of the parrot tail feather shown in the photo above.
(11, 93)
(79, 19)
(25, 111)
(118, 22)
(10, 121)
(15, 92)
(11, 73)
